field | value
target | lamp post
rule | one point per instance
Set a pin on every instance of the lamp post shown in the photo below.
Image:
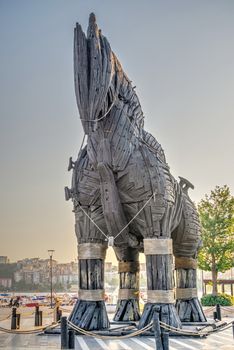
(51, 251)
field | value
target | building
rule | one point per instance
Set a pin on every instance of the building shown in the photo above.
(4, 259)
(36, 271)
(5, 282)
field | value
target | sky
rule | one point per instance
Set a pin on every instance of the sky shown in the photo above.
(180, 56)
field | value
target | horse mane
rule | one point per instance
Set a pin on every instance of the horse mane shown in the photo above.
(99, 78)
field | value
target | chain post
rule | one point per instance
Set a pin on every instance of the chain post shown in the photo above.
(71, 339)
(13, 319)
(218, 311)
(64, 333)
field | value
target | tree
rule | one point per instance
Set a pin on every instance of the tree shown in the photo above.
(217, 219)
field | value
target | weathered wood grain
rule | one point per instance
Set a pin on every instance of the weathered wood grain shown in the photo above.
(119, 169)
(90, 315)
(189, 310)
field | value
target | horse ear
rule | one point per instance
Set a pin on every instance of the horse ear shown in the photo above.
(93, 70)
(81, 72)
(100, 65)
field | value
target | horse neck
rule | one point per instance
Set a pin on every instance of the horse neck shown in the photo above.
(114, 138)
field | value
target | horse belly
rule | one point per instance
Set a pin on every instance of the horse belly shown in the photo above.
(134, 183)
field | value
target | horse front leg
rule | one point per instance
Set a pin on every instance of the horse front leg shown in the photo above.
(160, 282)
(127, 308)
(160, 269)
(90, 312)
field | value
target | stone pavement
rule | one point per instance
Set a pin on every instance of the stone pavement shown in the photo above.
(222, 340)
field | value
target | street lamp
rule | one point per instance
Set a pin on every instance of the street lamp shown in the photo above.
(51, 251)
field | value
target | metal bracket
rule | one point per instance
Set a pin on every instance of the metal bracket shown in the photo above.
(71, 164)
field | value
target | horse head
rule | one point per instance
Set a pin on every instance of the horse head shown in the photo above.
(100, 82)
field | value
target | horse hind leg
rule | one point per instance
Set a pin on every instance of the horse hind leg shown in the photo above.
(186, 242)
(127, 308)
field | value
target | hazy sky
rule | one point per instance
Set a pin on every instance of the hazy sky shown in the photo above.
(179, 54)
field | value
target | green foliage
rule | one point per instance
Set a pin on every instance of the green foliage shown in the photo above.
(212, 300)
(217, 219)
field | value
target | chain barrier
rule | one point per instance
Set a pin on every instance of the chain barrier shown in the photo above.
(6, 317)
(99, 336)
(200, 333)
(65, 310)
(48, 312)
(209, 309)
(30, 331)
(26, 314)
(227, 310)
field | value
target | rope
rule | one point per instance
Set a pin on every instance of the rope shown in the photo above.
(125, 294)
(97, 120)
(210, 309)
(124, 226)
(227, 326)
(103, 233)
(65, 310)
(134, 217)
(138, 332)
(155, 246)
(224, 308)
(5, 318)
(48, 312)
(163, 325)
(199, 333)
(160, 296)
(91, 251)
(29, 331)
(186, 293)
(91, 295)
(150, 148)
(128, 266)
(185, 263)
(99, 336)
(179, 331)
(27, 313)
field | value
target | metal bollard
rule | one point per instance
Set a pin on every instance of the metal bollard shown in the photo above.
(58, 314)
(13, 319)
(165, 340)
(37, 317)
(40, 318)
(157, 331)
(64, 333)
(17, 321)
(218, 311)
(71, 339)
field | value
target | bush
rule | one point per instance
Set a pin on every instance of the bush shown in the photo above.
(222, 299)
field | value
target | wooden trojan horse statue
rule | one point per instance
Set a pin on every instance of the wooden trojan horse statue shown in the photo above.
(124, 195)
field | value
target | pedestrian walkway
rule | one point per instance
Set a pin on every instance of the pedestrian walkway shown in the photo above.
(223, 341)
(220, 341)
